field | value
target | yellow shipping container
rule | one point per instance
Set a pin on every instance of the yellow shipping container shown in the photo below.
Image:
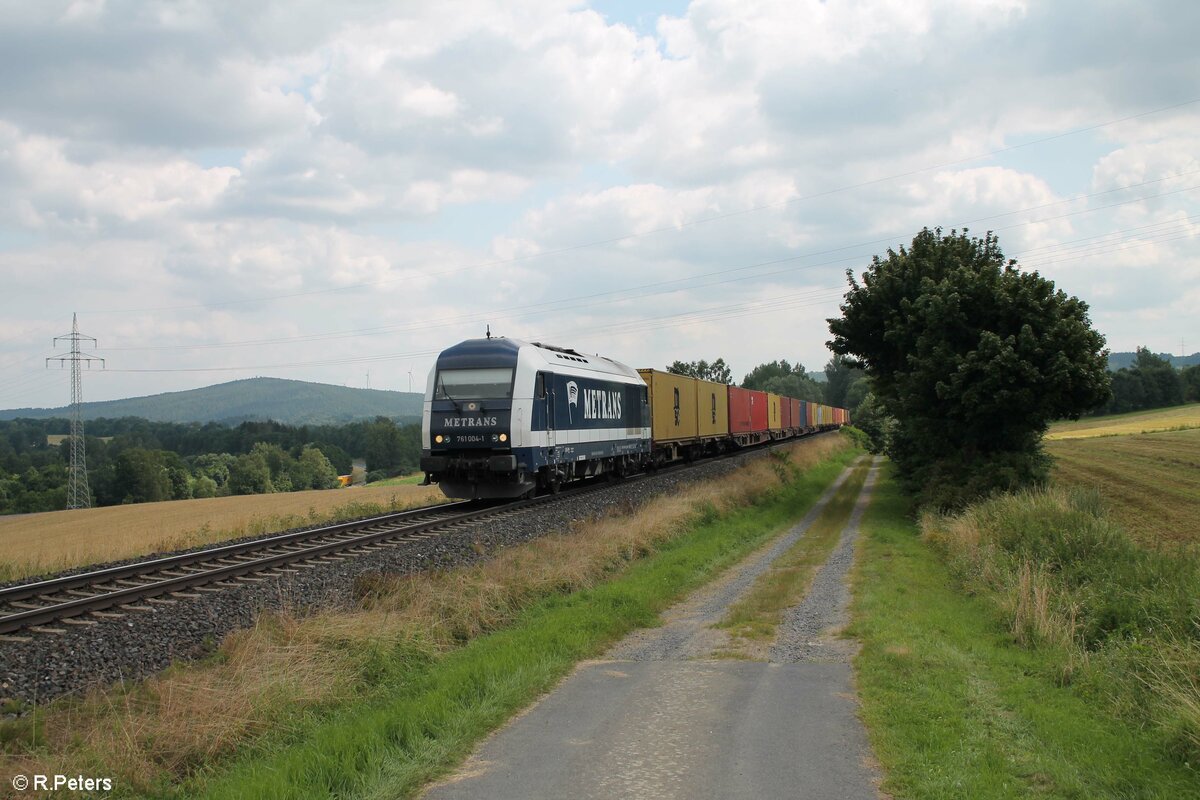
(712, 408)
(774, 412)
(672, 405)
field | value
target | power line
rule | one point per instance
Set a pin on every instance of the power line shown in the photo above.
(668, 228)
(626, 293)
(78, 493)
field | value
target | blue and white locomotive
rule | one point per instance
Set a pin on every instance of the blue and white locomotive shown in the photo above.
(505, 418)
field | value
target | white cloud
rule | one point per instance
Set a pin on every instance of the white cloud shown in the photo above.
(289, 171)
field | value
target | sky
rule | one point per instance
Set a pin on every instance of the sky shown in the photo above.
(335, 192)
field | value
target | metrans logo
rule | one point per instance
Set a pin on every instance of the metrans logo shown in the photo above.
(599, 404)
(470, 422)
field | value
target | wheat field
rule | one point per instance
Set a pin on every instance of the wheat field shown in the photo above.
(33, 544)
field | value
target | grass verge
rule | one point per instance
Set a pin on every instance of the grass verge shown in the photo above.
(756, 616)
(955, 707)
(378, 701)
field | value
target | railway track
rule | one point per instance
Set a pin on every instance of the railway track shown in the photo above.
(86, 598)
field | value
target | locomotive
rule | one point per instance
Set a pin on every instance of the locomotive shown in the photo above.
(504, 418)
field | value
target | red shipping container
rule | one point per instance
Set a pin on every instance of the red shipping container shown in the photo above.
(797, 420)
(747, 410)
(785, 413)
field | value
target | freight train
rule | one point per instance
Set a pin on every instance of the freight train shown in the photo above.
(505, 418)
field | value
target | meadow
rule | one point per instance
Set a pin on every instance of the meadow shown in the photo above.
(1159, 419)
(35, 544)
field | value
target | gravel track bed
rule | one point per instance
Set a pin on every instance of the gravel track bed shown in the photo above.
(142, 643)
(805, 633)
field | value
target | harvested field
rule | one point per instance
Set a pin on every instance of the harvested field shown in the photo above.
(33, 544)
(1151, 482)
(1159, 419)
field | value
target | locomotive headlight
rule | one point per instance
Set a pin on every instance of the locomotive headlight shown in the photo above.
(504, 437)
(438, 438)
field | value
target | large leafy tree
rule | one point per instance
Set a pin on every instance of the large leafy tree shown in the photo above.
(973, 358)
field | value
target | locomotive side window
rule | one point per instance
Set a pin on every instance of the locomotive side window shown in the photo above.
(541, 386)
(676, 406)
(473, 384)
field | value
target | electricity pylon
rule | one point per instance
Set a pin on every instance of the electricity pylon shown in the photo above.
(78, 493)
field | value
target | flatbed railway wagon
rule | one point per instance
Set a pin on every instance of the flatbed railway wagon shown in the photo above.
(748, 416)
(688, 416)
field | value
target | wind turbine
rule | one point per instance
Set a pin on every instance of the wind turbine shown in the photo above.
(410, 379)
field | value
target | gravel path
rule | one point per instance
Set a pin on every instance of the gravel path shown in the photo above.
(48, 665)
(807, 631)
(687, 630)
(658, 717)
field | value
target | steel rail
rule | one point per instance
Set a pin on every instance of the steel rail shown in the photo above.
(54, 585)
(301, 546)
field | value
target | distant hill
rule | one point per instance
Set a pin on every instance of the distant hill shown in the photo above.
(1118, 361)
(289, 402)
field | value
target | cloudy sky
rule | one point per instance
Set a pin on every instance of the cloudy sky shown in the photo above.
(331, 191)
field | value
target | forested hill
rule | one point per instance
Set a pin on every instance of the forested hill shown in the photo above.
(1118, 361)
(286, 401)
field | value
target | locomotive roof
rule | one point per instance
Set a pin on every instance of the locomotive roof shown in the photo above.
(501, 351)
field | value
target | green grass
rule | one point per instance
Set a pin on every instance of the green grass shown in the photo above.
(400, 480)
(424, 716)
(1158, 419)
(1151, 481)
(956, 709)
(757, 615)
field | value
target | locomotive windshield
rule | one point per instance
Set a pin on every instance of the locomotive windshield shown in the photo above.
(473, 384)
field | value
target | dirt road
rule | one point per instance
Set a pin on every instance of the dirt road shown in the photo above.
(659, 718)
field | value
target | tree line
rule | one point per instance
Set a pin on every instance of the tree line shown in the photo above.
(132, 460)
(1152, 382)
(844, 386)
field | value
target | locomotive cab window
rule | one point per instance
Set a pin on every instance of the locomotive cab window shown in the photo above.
(540, 386)
(474, 384)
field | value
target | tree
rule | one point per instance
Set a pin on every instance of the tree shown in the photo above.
(250, 474)
(1150, 382)
(141, 477)
(1190, 378)
(717, 372)
(780, 377)
(839, 374)
(313, 470)
(973, 358)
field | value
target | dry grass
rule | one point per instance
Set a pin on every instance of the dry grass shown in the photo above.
(34, 544)
(1159, 419)
(1151, 482)
(264, 677)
